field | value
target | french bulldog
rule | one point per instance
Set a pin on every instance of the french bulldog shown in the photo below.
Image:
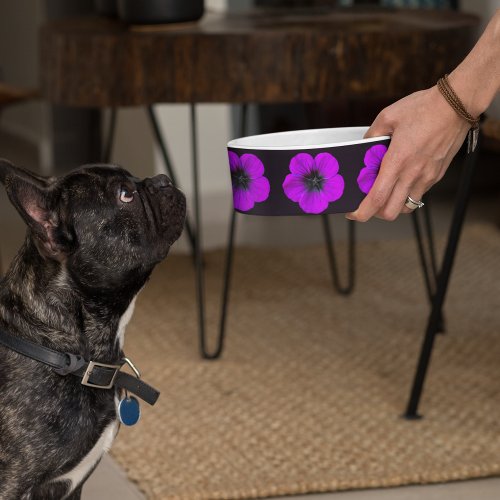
(93, 239)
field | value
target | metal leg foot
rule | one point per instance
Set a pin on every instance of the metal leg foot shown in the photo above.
(442, 286)
(348, 288)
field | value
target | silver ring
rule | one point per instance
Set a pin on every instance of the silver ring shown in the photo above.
(413, 204)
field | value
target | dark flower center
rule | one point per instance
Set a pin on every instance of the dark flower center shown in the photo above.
(240, 178)
(314, 181)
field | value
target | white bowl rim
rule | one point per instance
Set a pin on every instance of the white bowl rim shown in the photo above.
(293, 139)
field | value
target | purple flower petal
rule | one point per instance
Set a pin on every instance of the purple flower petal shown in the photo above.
(301, 164)
(366, 178)
(373, 160)
(333, 188)
(327, 165)
(253, 167)
(242, 199)
(249, 184)
(294, 187)
(313, 202)
(234, 161)
(259, 189)
(374, 156)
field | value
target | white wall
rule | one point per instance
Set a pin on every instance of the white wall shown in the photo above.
(133, 141)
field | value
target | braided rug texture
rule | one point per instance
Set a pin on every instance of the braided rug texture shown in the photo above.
(309, 392)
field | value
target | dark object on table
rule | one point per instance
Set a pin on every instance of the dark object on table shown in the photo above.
(106, 7)
(296, 3)
(160, 11)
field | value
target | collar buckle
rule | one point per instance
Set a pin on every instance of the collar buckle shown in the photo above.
(90, 369)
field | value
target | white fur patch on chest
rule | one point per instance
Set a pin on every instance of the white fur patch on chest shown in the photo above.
(80, 472)
(124, 322)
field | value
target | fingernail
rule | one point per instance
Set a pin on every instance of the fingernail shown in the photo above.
(350, 216)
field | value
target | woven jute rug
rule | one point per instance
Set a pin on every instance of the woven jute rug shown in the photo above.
(309, 394)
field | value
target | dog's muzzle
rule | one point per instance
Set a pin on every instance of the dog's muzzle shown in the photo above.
(168, 205)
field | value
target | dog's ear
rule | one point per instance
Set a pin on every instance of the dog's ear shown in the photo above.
(34, 199)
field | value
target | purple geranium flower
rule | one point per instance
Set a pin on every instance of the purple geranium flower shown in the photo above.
(373, 160)
(313, 182)
(249, 183)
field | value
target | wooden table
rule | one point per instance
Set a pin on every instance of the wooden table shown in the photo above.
(263, 56)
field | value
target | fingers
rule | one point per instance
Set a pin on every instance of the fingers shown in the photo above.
(416, 193)
(425, 135)
(384, 184)
(381, 191)
(396, 203)
(380, 126)
(396, 180)
(387, 198)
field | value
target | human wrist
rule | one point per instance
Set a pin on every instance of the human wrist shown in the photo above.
(443, 108)
(471, 87)
(477, 79)
(455, 102)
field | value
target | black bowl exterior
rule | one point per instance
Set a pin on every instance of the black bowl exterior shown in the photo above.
(350, 158)
(160, 11)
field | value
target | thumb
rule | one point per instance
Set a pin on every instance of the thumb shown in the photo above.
(380, 126)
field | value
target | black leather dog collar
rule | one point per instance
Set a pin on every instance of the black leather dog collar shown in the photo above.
(92, 373)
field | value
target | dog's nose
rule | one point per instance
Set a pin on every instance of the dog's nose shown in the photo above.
(157, 182)
(162, 181)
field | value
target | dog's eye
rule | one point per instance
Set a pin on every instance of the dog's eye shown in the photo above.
(126, 195)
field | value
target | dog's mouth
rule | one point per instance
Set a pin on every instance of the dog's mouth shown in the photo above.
(165, 207)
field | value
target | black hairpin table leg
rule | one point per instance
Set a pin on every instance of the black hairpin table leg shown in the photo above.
(200, 284)
(430, 239)
(427, 256)
(442, 286)
(351, 255)
(219, 344)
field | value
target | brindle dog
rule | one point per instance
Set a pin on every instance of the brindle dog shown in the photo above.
(93, 238)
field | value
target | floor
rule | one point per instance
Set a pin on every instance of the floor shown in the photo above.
(110, 482)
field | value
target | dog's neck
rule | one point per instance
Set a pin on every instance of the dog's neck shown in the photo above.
(55, 313)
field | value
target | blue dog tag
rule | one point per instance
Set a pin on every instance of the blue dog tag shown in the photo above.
(129, 411)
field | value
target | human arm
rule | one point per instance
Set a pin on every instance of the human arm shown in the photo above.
(426, 131)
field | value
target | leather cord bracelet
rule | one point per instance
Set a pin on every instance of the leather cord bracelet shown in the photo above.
(454, 101)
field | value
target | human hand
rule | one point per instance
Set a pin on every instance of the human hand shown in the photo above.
(426, 135)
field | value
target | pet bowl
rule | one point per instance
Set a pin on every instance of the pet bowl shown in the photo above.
(322, 171)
